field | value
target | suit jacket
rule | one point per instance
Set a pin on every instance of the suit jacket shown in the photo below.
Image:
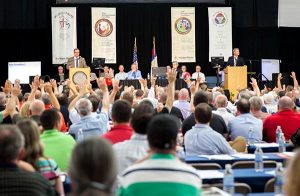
(239, 62)
(71, 63)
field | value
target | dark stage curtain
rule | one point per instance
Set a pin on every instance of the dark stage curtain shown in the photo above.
(25, 34)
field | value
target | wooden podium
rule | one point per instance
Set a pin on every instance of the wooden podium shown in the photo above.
(79, 75)
(235, 78)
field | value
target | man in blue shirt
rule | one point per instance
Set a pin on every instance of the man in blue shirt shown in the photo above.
(240, 125)
(134, 73)
(202, 139)
(89, 125)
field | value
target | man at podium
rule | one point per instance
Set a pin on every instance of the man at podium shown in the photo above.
(76, 61)
(235, 59)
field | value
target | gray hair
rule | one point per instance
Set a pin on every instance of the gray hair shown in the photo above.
(256, 103)
(84, 107)
(37, 107)
(46, 99)
(11, 143)
(285, 103)
(245, 94)
(221, 101)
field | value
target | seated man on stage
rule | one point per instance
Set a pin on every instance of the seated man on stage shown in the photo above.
(76, 61)
(184, 74)
(122, 75)
(134, 73)
(198, 74)
(235, 59)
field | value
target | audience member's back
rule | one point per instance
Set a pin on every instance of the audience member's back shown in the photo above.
(202, 139)
(57, 145)
(128, 152)
(92, 168)
(14, 181)
(162, 173)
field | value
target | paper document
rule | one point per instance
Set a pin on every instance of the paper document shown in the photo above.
(210, 174)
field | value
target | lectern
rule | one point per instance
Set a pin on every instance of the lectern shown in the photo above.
(79, 76)
(235, 77)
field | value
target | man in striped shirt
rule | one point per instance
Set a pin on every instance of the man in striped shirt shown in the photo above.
(162, 173)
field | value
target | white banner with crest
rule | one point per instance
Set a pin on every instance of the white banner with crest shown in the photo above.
(183, 34)
(220, 32)
(104, 34)
(64, 33)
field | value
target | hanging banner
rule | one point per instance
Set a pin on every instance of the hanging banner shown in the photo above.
(104, 34)
(64, 33)
(183, 34)
(220, 32)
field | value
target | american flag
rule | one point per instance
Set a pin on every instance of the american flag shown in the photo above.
(135, 57)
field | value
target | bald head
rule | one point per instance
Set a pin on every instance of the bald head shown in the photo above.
(37, 107)
(183, 94)
(221, 101)
(285, 103)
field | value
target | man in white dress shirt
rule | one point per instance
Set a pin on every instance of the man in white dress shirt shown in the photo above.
(121, 75)
(198, 74)
(129, 151)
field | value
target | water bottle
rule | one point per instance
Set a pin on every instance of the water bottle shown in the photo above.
(278, 131)
(148, 76)
(281, 142)
(228, 181)
(278, 186)
(250, 136)
(259, 162)
(80, 135)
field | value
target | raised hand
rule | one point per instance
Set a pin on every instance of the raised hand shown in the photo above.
(48, 88)
(7, 87)
(279, 77)
(293, 74)
(102, 84)
(172, 75)
(115, 84)
(193, 88)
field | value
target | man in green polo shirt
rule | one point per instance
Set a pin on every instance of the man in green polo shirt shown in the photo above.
(162, 173)
(57, 145)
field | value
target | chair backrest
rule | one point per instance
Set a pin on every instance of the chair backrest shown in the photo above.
(206, 166)
(241, 188)
(251, 164)
(269, 187)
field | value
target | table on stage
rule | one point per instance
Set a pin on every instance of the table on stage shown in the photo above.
(256, 180)
(269, 147)
(179, 83)
(230, 159)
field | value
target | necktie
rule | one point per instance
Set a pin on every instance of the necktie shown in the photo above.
(235, 61)
(198, 75)
(77, 62)
(133, 74)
